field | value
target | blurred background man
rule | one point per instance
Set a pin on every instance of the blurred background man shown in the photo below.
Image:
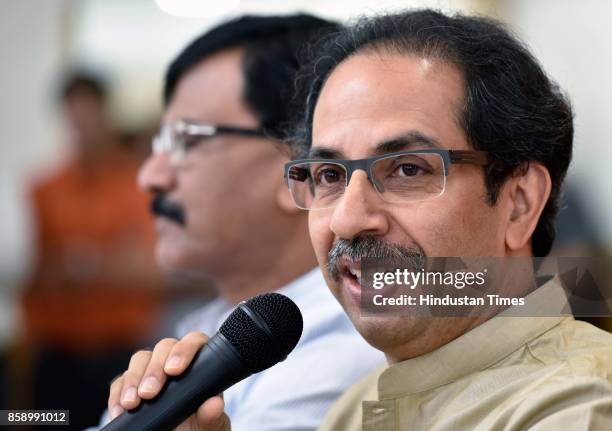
(224, 213)
(93, 295)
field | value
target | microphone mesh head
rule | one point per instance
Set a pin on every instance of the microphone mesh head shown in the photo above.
(256, 348)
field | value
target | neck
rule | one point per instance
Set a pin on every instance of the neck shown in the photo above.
(288, 262)
(91, 147)
(241, 287)
(439, 331)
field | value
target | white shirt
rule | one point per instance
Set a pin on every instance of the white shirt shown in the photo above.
(296, 393)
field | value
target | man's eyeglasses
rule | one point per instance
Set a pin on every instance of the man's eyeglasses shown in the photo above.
(175, 139)
(402, 177)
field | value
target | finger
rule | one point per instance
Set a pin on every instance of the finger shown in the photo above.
(211, 416)
(183, 352)
(188, 425)
(129, 398)
(114, 408)
(154, 376)
(191, 423)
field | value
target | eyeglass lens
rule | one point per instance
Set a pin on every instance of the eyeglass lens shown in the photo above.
(398, 179)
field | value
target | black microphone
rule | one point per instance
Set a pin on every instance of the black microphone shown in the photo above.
(259, 333)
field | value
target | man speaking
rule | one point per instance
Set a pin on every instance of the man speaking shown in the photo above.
(224, 213)
(434, 136)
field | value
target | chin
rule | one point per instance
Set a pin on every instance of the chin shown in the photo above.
(186, 258)
(387, 333)
(171, 257)
(167, 262)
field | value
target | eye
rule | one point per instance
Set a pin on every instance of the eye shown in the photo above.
(190, 141)
(408, 170)
(411, 166)
(328, 175)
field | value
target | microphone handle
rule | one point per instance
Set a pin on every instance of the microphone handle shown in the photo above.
(215, 368)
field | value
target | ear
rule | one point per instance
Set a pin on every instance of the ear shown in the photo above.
(284, 199)
(529, 192)
(283, 196)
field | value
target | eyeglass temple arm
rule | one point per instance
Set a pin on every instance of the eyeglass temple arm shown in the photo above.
(209, 130)
(241, 131)
(480, 158)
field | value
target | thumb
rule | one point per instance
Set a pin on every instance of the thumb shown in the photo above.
(211, 415)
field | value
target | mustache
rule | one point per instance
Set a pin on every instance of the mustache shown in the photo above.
(162, 206)
(371, 247)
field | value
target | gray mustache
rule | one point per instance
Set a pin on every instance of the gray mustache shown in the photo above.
(371, 247)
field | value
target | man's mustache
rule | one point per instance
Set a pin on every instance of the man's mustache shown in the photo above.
(371, 247)
(161, 206)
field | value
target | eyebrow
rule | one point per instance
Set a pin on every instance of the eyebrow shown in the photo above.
(404, 141)
(324, 153)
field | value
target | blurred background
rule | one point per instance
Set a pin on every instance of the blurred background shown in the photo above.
(89, 73)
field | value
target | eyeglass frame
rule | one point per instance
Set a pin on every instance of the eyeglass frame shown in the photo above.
(193, 128)
(470, 157)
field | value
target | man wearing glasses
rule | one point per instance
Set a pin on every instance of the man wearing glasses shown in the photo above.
(427, 135)
(224, 213)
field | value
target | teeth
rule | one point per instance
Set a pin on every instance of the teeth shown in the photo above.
(355, 272)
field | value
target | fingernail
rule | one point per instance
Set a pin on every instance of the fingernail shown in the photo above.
(174, 362)
(130, 394)
(150, 384)
(116, 411)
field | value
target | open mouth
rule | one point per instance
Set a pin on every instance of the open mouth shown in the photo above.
(353, 274)
(349, 272)
(349, 268)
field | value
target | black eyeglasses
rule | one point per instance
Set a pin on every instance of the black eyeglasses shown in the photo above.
(177, 138)
(401, 177)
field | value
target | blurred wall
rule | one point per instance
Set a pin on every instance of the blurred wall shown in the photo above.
(572, 41)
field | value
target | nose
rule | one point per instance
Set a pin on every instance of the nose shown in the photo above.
(359, 210)
(157, 174)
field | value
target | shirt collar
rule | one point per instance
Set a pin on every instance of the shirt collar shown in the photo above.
(479, 348)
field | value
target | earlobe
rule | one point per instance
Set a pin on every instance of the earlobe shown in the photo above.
(530, 191)
(283, 196)
(284, 199)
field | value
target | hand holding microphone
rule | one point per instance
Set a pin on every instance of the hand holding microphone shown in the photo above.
(135, 385)
(178, 382)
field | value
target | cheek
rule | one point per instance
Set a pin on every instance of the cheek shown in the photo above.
(473, 231)
(449, 226)
(321, 235)
(200, 195)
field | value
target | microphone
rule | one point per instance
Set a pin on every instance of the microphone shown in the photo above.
(259, 333)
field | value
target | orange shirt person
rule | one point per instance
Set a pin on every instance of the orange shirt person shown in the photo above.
(94, 294)
(95, 276)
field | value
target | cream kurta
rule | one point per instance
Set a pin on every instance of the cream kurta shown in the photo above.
(510, 373)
